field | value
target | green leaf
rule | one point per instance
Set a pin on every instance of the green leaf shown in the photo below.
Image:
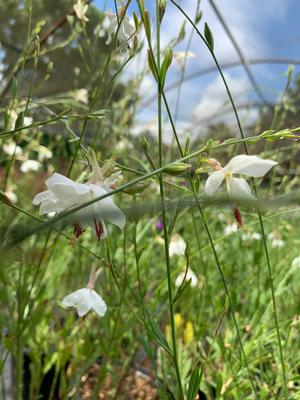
(165, 66)
(20, 120)
(147, 25)
(209, 36)
(158, 336)
(181, 289)
(152, 65)
(194, 384)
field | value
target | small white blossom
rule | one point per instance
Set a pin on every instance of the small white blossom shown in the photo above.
(44, 153)
(11, 148)
(80, 9)
(177, 245)
(251, 236)
(84, 300)
(126, 30)
(253, 166)
(276, 241)
(81, 95)
(229, 229)
(189, 275)
(30, 165)
(296, 262)
(11, 196)
(64, 194)
(182, 56)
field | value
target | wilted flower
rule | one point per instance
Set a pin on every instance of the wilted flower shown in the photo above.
(189, 275)
(11, 148)
(126, 29)
(237, 187)
(177, 245)
(30, 165)
(80, 9)
(65, 194)
(181, 57)
(86, 299)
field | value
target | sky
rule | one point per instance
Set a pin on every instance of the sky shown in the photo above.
(263, 29)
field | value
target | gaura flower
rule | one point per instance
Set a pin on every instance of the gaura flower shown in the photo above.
(11, 148)
(126, 29)
(253, 166)
(65, 194)
(81, 95)
(177, 245)
(276, 240)
(187, 276)
(80, 9)
(30, 165)
(247, 236)
(229, 229)
(181, 57)
(86, 299)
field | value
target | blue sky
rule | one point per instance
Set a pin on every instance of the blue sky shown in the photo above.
(263, 28)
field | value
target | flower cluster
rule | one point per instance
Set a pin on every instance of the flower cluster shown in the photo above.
(65, 194)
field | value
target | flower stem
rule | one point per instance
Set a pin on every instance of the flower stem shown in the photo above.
(164, 217)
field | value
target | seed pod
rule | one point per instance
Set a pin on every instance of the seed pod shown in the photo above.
(177, 169)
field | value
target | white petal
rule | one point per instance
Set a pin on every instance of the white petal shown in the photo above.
(98, 304)
(239, 188)
(249, 165)
(107, 209)
(213, 182)
(80, 299)
(43, 196)
(64, 187)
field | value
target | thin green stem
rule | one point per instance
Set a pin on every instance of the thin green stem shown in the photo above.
(164, 216)
(258, 212)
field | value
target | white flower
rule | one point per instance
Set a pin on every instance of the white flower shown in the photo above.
(181, 56)
(296, 262)
(126, 29)
(251, 236)
(237, 187)
(11, 148)
(276, 241)
(11, 196)
(64, 194)
(30, 165)
(229, 229)
(84, 300)
(81, 95)
(177, 245)
(189, 275)
(80, 9)
(44, 153)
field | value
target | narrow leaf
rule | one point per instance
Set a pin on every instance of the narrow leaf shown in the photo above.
(209, 36)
